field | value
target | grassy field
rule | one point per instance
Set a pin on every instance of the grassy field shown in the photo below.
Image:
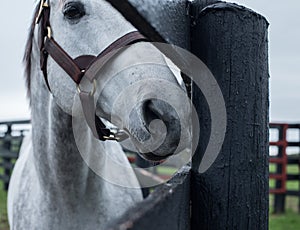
(289, 221)
(3, 212)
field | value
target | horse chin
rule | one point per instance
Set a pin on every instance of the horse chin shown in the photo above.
(151, 153)
(155, 152)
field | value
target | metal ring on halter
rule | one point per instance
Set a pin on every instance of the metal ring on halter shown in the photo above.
(119, 135)
(92, 93)
(112, 137)
(49, 35)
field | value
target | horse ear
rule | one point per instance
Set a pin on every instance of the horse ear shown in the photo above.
(28, 51)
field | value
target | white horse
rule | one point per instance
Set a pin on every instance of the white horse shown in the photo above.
(52, 186)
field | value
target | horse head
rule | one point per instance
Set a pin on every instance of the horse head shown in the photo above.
(136, 90)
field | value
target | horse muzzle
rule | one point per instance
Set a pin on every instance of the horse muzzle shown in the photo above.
(155, 129)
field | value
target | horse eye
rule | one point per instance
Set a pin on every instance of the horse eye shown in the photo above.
(73, 10)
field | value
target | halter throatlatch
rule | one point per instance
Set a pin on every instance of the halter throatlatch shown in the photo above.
(85, 66)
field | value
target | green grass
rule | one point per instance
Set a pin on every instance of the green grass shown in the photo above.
(166, 170)
(291, 169)
(289, 221)
(3, 212)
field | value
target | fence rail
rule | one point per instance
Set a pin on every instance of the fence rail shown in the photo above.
(281, 161)
(11, 136)
(12, 133)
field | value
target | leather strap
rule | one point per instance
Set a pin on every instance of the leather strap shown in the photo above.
(112, 50)
(132, 15)
(70, 66)
(83, 66)
(96, 125)
(43, 20)
(63, 60)
(87, 100)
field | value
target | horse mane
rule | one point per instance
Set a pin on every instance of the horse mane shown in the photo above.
(28, 52)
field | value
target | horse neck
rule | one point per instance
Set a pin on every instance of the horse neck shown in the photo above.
(57, 160)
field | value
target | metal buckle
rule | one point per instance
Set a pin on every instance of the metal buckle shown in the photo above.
(49, 34)
(92, 93)
(43, 5)
(119, 135)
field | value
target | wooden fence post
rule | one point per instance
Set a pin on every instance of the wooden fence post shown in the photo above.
(233, 194)
(279, 199)
(7, 160)
(10, 143)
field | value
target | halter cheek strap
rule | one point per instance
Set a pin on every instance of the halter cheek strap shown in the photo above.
(84, 66)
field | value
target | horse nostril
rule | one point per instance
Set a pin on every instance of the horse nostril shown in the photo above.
(150, 113)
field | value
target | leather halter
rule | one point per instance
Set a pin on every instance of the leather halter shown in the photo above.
(85, 66)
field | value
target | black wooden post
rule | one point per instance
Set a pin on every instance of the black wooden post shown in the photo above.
(233, 194)
(167, 208)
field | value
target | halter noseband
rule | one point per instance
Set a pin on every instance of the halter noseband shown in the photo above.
(85, 66)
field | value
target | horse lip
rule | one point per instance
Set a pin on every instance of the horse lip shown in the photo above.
(155, 158)
(150, 156)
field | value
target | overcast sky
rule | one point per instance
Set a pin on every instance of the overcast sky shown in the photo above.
(284, 36)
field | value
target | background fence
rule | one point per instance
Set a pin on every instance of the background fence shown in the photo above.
(11, 136)
(284, 144)
(285, 159)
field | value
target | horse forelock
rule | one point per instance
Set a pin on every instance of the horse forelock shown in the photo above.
(28, 51)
